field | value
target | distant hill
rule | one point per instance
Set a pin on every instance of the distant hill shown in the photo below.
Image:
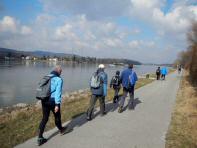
(16, 54)
(4, 52)
(51, 54)
(118, 61)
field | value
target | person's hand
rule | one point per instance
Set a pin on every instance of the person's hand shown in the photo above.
(56, 109)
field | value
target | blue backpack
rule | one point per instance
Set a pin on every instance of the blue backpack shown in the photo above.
(132, 79)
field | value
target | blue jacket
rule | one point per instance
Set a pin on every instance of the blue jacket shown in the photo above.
(164, 71)
(56, 89)
(125, 77)
(104, 77)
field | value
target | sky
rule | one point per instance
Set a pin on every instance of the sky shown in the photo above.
(149, 31)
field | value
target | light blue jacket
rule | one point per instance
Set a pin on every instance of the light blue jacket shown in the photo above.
(164, 71)
(56, 89)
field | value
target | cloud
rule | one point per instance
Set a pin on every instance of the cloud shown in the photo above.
(64, 32)
(8, 24)
(25, 30)
(93, 10)
(134, 44)
(177, 20)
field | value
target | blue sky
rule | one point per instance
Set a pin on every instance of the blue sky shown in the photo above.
(152, 31)
(23, 10)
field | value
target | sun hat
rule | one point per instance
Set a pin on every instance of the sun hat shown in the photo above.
(102, 66)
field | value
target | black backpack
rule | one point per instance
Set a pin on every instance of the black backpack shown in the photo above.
(43, 91)
(157, 71)
(115, 81)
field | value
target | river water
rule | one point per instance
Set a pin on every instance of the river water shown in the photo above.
(19, 79)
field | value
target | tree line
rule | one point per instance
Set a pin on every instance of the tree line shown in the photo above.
(188, 58)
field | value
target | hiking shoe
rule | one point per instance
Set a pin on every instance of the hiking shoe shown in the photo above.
(64, 131)
(131, 106)
(41, 141)
(88, 118)
(103, 114)
(120, 109)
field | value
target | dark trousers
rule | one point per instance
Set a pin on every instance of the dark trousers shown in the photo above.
(129, 90)
(163, 76)
(158, 76)
(116, 96)
(93, 102)
(46, 108)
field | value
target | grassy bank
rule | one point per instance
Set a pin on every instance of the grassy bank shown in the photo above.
(182, 132)
(17, 126)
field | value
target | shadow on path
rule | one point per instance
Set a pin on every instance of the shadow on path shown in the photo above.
(132, 106)
(80, 119)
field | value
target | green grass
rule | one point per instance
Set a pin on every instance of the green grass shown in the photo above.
(22, 124)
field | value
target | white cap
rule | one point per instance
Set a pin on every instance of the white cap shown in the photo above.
(101, 66)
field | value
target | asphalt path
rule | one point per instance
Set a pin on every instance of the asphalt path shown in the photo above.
(143, 127)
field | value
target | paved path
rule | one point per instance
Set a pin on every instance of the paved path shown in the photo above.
(143, 127)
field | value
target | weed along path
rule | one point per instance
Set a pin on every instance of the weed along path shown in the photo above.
(143, 127)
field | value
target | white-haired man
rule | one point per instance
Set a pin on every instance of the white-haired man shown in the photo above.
(98, 86)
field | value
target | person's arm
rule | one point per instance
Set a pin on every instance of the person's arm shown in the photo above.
(58, 92)
(136, 78)
(106, 78)
(111, 82)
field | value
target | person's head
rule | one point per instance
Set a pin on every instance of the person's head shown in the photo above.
(101, 67)
(130, 66)
(117, 72)
(58, 69)
(158, 67)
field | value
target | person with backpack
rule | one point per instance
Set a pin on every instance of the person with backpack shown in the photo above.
(128, 78)
(98, 87)
(116, 84)
(49, 92)
(158, 73)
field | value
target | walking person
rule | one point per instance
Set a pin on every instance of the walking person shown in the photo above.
(158, 73)
(52, 104)
(179, 69)
(128, 78)
(98, 87)
(116, 84)
(164, 73)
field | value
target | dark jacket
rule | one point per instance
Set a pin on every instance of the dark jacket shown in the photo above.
(112, 82)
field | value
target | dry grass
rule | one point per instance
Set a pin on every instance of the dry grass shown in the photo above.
(182, 132)
(22, 124)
